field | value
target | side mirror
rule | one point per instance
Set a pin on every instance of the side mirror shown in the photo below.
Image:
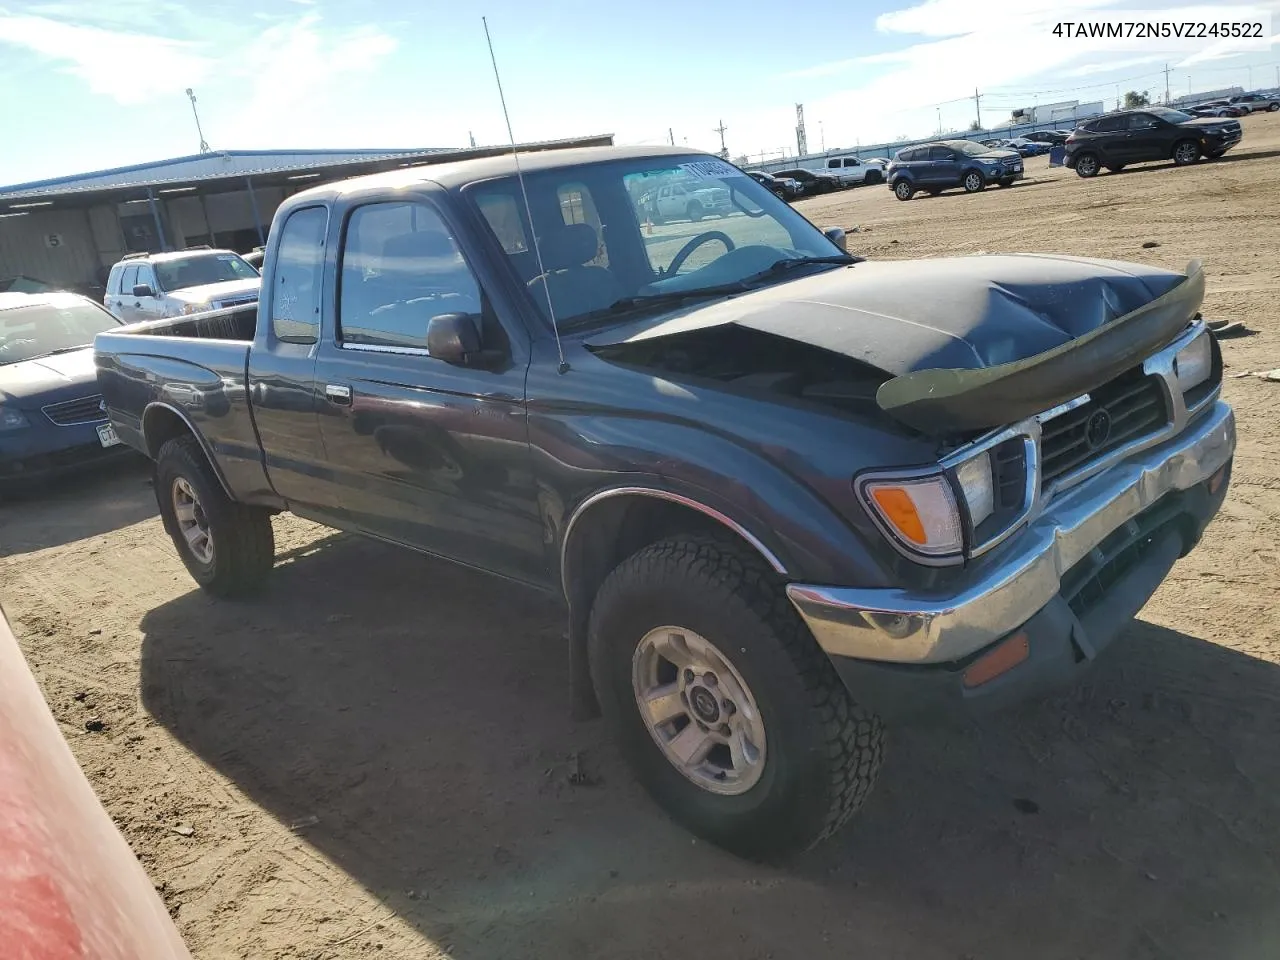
(143, 290)
(836, 236)
(454, 338)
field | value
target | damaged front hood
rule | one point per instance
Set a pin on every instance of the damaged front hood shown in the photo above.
(955, 314)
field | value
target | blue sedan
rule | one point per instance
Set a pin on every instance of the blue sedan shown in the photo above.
(52, 418)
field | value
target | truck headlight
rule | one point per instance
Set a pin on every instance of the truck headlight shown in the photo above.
(12, 420)
(919, 512)
(1194, 362)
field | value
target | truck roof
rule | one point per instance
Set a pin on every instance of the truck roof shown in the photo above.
(462, 172)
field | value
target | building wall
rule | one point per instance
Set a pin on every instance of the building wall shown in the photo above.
(87, 241)
(52, 245)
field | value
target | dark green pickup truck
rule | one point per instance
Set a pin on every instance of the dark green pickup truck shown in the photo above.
(784, 492)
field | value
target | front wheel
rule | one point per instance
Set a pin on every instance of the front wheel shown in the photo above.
(227, 548)
(730, 715)
(973, 182)
(1273, 107)
(1086, 165)
(1186, 152)
(903, 190)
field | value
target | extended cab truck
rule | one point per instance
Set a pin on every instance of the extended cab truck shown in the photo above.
(784, 492)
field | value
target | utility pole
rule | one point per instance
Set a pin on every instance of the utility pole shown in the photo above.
(1166, 84)
(472, 137)
(671, 135)
(204, 144)
(977, 106)
(724, 151)
(802, 141)
(939, 121)
(822, 135)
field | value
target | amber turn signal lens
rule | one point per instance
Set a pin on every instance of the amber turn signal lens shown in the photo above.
(1001, 660)
(899, 509)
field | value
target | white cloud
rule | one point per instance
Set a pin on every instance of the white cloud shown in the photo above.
(128, 67)
(293, 63)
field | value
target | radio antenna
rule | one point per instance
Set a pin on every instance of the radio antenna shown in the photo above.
(524, 193)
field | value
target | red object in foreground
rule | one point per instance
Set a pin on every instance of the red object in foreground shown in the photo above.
(70, 887)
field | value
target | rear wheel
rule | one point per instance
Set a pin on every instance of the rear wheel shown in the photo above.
(227, 547)
(695, 211)
(973, 182)
(903, 190)
(726, 709)
(874, 177)
(1185, 152)
(1273, 107)
(1086, 165)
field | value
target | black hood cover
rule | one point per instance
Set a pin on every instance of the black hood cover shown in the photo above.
(974, 313)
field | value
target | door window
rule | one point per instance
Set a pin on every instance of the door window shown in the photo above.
(940, 153)
(1109, 125)
(129, 279)
(113, 279)
(1143, 121)
(146, 275)
(400, 267)
(296, 281)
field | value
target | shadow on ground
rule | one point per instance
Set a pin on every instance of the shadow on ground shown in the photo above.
(420, 712)
(51, 513)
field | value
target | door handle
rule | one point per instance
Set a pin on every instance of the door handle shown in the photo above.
(338, 393)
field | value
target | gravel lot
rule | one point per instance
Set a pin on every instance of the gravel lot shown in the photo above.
(377, 755)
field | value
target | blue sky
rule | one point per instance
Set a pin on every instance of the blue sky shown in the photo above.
(90, 84)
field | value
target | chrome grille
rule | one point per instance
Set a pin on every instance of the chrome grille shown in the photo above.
(1130, 406)
(226, 302)
(71, 412)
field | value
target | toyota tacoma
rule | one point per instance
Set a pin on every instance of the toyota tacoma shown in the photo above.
(786, 494)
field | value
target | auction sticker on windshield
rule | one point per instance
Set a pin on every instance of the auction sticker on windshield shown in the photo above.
(107, 435)
(711, 170)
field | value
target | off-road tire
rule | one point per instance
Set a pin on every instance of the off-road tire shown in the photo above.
(823, 750)
(243, 541)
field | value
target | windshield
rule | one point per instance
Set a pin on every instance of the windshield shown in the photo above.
(206, 268)
(971, 149)
(41, 329)
(1173, 116)
(621, 236)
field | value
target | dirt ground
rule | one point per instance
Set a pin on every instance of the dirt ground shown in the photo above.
(375, 758)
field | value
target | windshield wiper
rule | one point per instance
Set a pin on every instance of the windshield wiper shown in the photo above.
(55, 352)
(641, 300)
(791, 263)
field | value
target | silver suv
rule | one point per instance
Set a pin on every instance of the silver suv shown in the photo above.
(148, 286)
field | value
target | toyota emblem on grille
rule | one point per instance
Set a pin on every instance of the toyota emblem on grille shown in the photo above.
(1097, 430)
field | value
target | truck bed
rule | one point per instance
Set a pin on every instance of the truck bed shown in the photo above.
(157, 374)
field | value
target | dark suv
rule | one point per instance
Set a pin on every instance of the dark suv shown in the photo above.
(1154, 133)
(934, 167)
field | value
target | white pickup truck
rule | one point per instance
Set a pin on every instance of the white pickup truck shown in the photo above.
(854, 171)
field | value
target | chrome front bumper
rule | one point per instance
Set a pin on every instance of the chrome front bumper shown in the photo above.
(1017, 581)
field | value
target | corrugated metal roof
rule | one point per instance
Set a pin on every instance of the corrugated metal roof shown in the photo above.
(211, 166)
